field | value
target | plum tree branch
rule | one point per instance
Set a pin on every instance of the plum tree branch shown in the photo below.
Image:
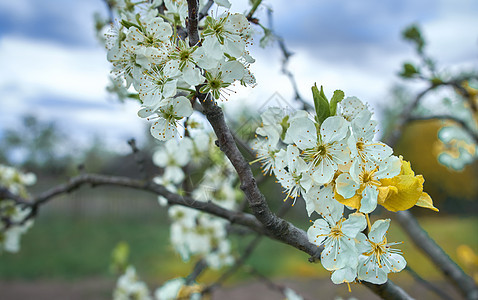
(193, 20)
(447, 266)
(75, 183)
(277, 227)
(460, 122)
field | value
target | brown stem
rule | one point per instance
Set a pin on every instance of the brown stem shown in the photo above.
(193, 20)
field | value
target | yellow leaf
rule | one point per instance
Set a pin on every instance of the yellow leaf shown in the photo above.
(426, 201)
(402, 191)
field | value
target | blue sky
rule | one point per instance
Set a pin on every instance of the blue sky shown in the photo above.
(51, 64)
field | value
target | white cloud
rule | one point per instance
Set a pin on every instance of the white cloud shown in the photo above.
(35, 66)
(33, 72)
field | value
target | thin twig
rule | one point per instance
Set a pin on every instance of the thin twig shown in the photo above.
(235, 267)
(199, 267)
(75, 183)
(270, 284)
(139, 159)
(245, 255)
(460, 122)
(254, 7)
(286, 54)
(204, 11)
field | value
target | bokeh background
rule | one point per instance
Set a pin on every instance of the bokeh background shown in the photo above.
(56, 115)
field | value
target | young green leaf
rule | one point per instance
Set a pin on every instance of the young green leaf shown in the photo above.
(336, 98)
(321, 104)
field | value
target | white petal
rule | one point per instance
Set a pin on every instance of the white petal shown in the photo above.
(174, 174)
(339, 253)
(160, 158)
(371, 272)
(369, 200)
(145, 112)
(346, 186)
(303, 132)
(377, 152)
(329, 208)
(325, 171)
(163, 130)
(334, 129)
(389, 168)
(378, 230)
(354, 224)
(232, 71)
(316, 233)
(193, 76)
(396, 262)
(346, 274)
(362, 243)
(171, 68)
(182, 106)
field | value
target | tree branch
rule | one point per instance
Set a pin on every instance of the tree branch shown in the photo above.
(75, 183)
(275, 226)
(254, 7)
(460, 122)
(405, 117)
(204, 11)
(447, 266)
(193, 20)
(286, 54)
(279, 228)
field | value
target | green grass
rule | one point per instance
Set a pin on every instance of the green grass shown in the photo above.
(60, 247)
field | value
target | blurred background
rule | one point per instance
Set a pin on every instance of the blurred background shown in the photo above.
(57, 120)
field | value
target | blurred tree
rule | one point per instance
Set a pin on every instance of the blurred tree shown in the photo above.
(35, 145)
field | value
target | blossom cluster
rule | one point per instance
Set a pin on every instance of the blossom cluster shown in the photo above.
(333, 161)
(458, 147)
(11, 231)
(148, 51)
(194, 232)
(129, 286)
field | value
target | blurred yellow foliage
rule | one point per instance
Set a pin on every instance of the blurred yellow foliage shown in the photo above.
(469, 259)
(418, 145)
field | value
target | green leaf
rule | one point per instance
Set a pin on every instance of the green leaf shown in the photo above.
(436, 81)
(119, 257)
(321, 104)
(134, 96)
(409, 70)
(128, 24)
(413, 34)
(336, 98)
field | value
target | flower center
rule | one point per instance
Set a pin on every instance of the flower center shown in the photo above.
(378, 249)
(360, 146)
(367, 178)
(336, 231)
(184, 55)
(215, 84)
(316, 154)
(321, 150)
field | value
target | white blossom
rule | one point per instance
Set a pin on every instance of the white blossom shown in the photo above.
(377, 258)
